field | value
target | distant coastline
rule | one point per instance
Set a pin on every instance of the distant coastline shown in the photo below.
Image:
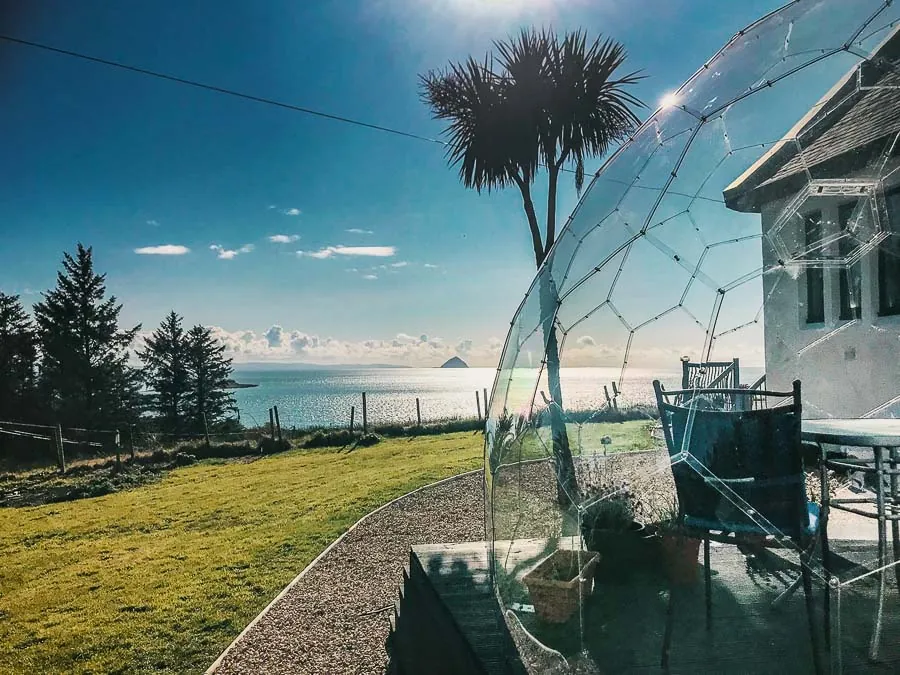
(231, 384)
(283, 365)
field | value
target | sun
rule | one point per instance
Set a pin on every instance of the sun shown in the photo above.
(669, 100)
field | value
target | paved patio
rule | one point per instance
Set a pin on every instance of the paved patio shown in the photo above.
(624, 619)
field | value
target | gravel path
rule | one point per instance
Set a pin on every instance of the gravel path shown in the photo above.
(332, 620)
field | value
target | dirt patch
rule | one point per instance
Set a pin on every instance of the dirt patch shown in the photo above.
(47, 487)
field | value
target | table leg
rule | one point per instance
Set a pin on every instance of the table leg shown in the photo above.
(823, 530)
(882, 546)
(895, 524)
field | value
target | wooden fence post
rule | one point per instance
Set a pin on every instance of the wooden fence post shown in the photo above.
(272, 423)
(352, 414)
(60, 452)
(206, 429)
(118, 442)
(277, 422)
(485, 402)
(418, 412)
(365, 415)
(478, 404)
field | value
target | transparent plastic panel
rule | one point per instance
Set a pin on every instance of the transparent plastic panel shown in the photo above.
(771, 50)
(649, 284)
(646, 446)
(595, 248)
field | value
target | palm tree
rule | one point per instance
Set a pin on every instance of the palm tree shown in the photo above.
(550, 105)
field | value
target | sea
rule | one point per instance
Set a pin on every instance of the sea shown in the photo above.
(309, 397)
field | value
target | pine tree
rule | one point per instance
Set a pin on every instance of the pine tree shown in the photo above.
(18, 354)
(165, 372)
(208, 373)
(84, 368)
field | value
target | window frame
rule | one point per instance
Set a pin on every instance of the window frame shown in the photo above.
(845, 308)
(893, 193)
(814, 276)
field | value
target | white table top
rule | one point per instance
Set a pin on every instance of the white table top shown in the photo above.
(854, 432)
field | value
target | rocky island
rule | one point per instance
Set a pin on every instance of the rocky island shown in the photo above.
(455, 362)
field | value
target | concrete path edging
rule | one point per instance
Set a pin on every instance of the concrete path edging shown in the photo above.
(212, 669)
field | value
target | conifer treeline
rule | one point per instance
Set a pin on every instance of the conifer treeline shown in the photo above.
(69, 365)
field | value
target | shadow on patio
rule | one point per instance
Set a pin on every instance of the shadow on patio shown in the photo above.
(624, 618)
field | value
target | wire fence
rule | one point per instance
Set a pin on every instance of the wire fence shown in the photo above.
(27, 446)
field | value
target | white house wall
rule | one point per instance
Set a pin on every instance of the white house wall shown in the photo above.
(847, 368)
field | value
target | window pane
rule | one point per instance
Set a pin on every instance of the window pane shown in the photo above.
(815, 278)
(889, 263)
(850, 277)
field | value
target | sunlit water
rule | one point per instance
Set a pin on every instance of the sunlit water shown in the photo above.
(323, 397)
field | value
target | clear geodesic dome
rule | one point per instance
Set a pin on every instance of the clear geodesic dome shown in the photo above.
(744, 239)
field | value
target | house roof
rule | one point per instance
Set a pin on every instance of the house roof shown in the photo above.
(845, 127)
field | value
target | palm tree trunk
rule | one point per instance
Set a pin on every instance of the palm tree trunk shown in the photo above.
(552, 182)
(528, 205)
(566, 481)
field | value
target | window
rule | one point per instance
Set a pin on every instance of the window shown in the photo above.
(889, 262)
(815, 276)
(850, 278)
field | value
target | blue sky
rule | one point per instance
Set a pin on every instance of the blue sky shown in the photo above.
(124, 162)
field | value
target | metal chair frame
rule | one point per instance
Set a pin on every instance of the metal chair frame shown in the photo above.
(797, 531)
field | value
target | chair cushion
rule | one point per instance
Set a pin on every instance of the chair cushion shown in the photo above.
(812, 511)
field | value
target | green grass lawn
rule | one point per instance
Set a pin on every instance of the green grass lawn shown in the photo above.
(585, 439)
(164, 576)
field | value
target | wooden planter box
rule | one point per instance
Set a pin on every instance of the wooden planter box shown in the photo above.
(557, 585)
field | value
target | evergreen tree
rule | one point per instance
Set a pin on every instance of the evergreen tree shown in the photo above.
(208, 374)
(84, 368)
(18, 353)
(165, 372)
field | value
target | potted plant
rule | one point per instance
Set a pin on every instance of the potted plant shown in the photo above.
(610, 527)
(678, 548)
(560, 582)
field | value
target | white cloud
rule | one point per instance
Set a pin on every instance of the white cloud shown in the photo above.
(274, 335)
(370, 277)
(229, 254)
(153, 222)
(329, 251)
(402, 263)
(356, 230)
(321, 255)
(586, 341)
(163, 249)
(280, 344)
(429, 266)
(464, 346)
(291, 212)
(283, 238)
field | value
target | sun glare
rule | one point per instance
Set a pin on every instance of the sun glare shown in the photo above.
(669, 100)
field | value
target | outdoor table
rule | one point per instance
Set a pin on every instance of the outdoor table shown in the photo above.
(882, 436)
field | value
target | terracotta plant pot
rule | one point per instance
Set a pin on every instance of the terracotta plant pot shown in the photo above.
(680, 555)
(557, 585)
